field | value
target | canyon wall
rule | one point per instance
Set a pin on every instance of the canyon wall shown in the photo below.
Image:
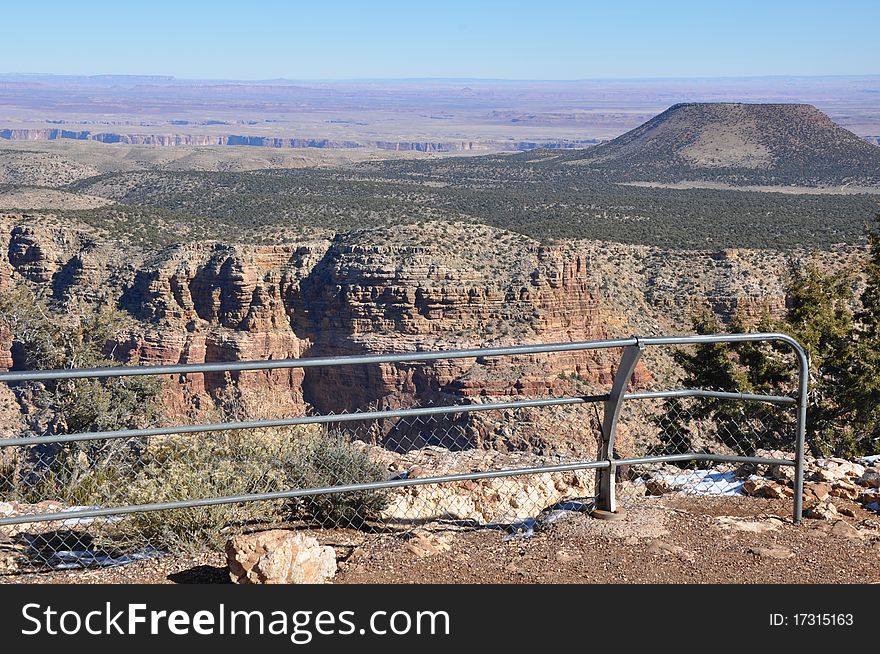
(357, 294)
(189, 139)
(412, 288)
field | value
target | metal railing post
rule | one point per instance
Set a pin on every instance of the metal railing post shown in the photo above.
(800, 446)
(606, 502)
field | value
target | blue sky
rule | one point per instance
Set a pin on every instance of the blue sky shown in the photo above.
(262, 39)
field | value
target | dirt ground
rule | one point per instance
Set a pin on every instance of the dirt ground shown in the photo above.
(673, 539)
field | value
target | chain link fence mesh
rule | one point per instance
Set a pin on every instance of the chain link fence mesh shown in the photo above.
(50, 477)
(661, 427)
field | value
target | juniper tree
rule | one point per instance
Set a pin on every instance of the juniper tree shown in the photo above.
(79, 337)
(861, 388)
(819, 315)
(733, 367)
(843, 416)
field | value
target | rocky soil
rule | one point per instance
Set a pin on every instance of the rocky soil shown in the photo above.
(676, 540)
(670, 539)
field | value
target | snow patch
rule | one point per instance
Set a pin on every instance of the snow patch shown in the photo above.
(75, 559)
(74, 522)
(702, 482)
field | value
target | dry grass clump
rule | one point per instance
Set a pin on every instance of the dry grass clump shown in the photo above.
(225, 464)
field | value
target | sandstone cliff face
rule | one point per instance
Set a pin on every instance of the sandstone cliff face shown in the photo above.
(32, 254)
(421, 287)
(63, 262)
(360, 294)
(220, 303)
(190, 139)
(424, 292)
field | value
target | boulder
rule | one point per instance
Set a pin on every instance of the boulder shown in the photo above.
(785, 474)
(820, 490)
(842, 529)
(836, 469)
(870, 496)
(279, 557)
(871, 478)
(767, 488)
(779, 492)
(482, 501)
(845, 490)
(822, 511)
(772, 552)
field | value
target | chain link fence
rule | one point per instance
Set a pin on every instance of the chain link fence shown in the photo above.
(509, 461)
(697, 426)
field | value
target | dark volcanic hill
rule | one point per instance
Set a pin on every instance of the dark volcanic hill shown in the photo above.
(740, 144)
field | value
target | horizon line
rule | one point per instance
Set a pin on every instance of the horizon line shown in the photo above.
(441, 79)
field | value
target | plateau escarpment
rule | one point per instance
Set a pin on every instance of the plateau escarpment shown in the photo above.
(264, 141)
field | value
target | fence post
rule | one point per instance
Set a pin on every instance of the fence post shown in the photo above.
(606, 502)
(800, 447)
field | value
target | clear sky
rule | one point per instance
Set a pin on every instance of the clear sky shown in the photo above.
(263, 39)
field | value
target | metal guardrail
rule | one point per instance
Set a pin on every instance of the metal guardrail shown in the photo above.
(606, 464)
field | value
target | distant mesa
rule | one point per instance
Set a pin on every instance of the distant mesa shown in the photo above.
(737, 144)
(692, 144)
(185, 140)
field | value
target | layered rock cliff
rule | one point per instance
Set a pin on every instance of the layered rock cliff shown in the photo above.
(195, 139)
(415, 288)
(363, 293)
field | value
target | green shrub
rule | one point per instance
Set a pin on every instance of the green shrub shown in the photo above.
(190, 467)
(242, 463)
(331, 461)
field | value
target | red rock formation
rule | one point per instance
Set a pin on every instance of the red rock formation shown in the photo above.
(5, 348)
(364, 292)
(228, 303)
(32, 254)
